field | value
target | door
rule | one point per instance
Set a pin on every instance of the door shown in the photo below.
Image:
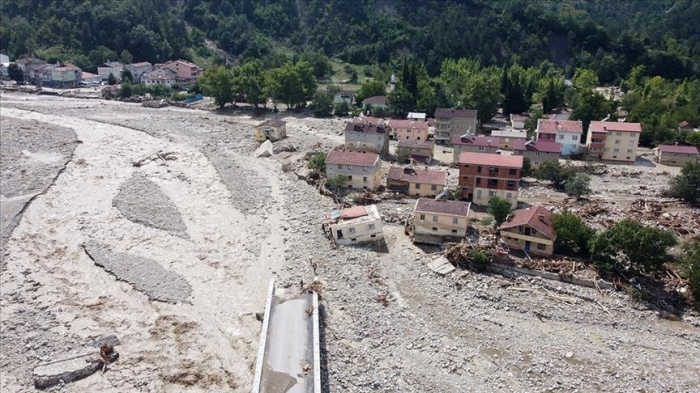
(527, 246)
(339, 234)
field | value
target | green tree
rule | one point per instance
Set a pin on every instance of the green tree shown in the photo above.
(690, 263)
(353, 77)
(578, 185)
(527, 167)
(317, 162)
(687, 184)
(481, 93)
(251, 82)
(694, 139)
(337, 181)
(573, 235)
(370, 88)
(555, 172)
(111, 80)
(218, 82)
(401, 101)
(15, 73)
(591, 105)
(125, 57)
(341, 109)
(402, 155)
(293, 84)
(322, 104)
(126, 75)
(125, 90)
(499, 208)
(631, 245)
(585, 79)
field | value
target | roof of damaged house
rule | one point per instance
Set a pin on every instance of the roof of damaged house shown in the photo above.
(351, 158)
(365, 127)
(442, 206)
(423, 176)
(538, 218)
(450, 113)
(416, 144)
(678, 149)
(355, 213)
(272, 123)
(368, 120)
(541, 146)
(487, 159)
(551, 126)
(485, 141)
(376, 100)
(411, 124)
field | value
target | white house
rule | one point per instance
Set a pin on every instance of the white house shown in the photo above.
(416, 116)
(115, 68)
(568, 133)
(354, 225)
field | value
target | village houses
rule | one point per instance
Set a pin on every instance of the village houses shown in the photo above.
(450, 123)
(538, 152)
(566, 132)
(273, 129)
(344, 97)
(28, 65)
(357, 224)
(367, 137)
(518, 120)
(111, 67)
(162, 76)
(139, 70)
(416, 116)
(435, 221)
(418, 151)
(376, 102)
(417, 182)
(483, 176)
(185, 72)
(507, 139)
(676, 155)
(474, 144)
(408, 130)
(613, 141)
(529, 230)
(361, 169)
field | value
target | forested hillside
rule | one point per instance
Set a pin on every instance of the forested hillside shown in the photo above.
(609, 37)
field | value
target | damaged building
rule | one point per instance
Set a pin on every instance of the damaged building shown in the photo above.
(357, 224)
(436, 221)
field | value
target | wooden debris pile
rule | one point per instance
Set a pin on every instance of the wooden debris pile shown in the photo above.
(467, 256)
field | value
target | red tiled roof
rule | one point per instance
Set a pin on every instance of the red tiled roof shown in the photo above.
(605, 126)
(422, 176)
(368, 120)
(365, 127)
(678, 149)
(353, 212)
(381, 100)
(416, 144)
(408, 124)
(541, 146)
(487, 159)
(443, 206)
(476, 141)
(538, 218)
(351, 158)
(450, 113)
(685, 124)
(550, 126)
(519, 116)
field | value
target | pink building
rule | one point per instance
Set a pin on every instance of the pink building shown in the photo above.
(184, 69)
(408, 130)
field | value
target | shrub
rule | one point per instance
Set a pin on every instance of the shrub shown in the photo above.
(341, 109)
(690, 262)
(578, 185)
(317, 162)
(687, 184)
(337, 181)
(499, 208)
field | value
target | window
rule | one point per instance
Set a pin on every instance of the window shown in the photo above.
(454, 231)
(351, 230)
(478, 180)
(617, 141)
(481, 148)
(561, 137)
(371, 226)
(478, 193)
(492, 193)
(422, 216)
(537, 153)
(574, 137)
(630, 151)
(417, 186)
(434, 229)
(511, 183)
(349, 167)
(435, 218)
(433, 188)
(618, 133)
(455, 220)
(541, 246)
(478, 169)
(364, 179)
(631, 142)
(492, 182)
(340, 166)
(616, 150)
(512, 171)
(349, 177)
(509, 195)
(373, 236)
(364, 168)
(493, 171)
(533, 232)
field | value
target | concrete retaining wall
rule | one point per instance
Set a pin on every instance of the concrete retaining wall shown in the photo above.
(504, 268)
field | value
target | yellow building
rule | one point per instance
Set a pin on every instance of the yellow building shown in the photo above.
(418, 182)
(361, 170)
(435, 221)
(613, 141)
(676, 155)
(273, 130)
(529, 230)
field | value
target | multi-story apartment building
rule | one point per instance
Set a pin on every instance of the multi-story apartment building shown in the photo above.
(614, 141)
(367, 136)
(362, 170)
(473, 144)
(409, 130)
(566, 132)
(357, 224)
(184, 70)
(418, 151)
(418, 182)
(483, 176)
(450, 123)
(530, 230)
(538, 152)
(138, 70)
(676, 155)
(435, 221)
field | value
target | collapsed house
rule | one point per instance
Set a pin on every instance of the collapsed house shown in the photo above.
(273, 130)
(354, 225)
(418, 182)
(436, 221)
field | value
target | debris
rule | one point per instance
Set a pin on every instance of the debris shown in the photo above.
(382, 298)
(441, 266)
(164, 156)
(310, 311)
(265, 150)
(569, 355)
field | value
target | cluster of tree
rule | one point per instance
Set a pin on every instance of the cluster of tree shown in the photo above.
(686, 185)
(128, 89)
(564, 177)
(291, 83)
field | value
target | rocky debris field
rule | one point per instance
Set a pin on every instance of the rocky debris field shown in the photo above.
(389, 323)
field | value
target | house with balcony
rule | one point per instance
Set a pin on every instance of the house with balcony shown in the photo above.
(483, 176)
(568, 133)
(357, 224)
(367, 136)
(530, 230)
(411, 130)
(417, 182)
(473, 144)
(437, 221)
(418, 151)
(676, 155)
(451, 123)
(66, 76)
(361, 169)
(185, 72)
(613, 141)
(162, 76)
(538, 152)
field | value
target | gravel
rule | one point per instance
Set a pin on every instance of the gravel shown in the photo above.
(142, 201)
(145, 275)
